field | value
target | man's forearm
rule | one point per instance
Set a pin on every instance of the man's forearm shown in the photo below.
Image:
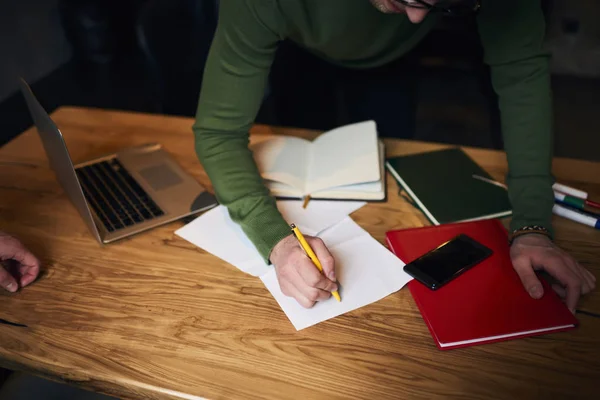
(512, 36)
(526, 108)
(233, 84)
(238, 186)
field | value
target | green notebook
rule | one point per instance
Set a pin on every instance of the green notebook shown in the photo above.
(441, 184)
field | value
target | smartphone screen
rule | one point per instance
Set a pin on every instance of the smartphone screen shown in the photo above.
(446, 262)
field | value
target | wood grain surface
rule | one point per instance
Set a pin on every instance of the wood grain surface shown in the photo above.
(154, 317)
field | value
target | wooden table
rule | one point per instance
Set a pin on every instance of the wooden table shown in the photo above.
(155, 317)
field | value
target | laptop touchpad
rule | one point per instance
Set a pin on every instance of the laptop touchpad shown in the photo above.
(160, 177)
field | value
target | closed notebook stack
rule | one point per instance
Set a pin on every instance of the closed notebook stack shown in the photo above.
(441, 184)
(484, 304)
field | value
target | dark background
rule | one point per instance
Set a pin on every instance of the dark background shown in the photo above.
(148, 55)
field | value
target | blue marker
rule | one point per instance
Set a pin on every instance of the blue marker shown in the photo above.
(576, 216)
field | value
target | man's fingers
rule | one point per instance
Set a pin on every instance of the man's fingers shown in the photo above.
(300, 278)
(586, 283)
(588, 277)
(324, 256)
(579, 273)
(7, 281)
(528, 277)
(26, 258)
(571, 281)
(29, 274)
(311, 293)
(288, 289)
(592, 276)
(573, 294)
(559, 290)
(312, 277)
(13, 249)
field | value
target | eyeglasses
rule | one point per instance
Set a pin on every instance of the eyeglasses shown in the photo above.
(447, 7)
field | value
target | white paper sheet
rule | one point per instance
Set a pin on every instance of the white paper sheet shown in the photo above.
(318, 214)
(215, 232)
(365, 269)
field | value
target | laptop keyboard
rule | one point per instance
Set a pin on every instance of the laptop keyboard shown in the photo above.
(116, 198)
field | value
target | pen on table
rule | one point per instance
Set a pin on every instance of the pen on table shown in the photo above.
(311, 254)
(569, 190)
(575, 202)
(576, 216)
(575, 193)
(560, 210)
(591, 203)
(576, 196)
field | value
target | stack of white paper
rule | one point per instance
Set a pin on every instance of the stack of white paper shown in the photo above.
(365, 269)
(215, 232)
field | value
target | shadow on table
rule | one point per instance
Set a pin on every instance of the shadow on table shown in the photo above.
(19, 386)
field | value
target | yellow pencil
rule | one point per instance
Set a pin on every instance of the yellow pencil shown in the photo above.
(311, 254)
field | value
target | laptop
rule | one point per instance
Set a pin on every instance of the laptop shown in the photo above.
(124, 193)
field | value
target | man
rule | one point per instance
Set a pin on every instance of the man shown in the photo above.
(18, 266)
(364, 34)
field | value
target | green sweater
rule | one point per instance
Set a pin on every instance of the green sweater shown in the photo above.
(354, 34)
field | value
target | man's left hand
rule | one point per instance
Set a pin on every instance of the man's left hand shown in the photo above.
(27, 265)
(533, 252)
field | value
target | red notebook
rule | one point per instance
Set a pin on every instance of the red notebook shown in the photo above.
(485, 304)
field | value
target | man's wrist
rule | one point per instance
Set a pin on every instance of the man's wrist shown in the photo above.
(532, 200)
(278, 248)
(529, 229)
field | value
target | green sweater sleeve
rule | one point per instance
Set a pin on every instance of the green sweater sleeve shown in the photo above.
(512, 33)
(234, 82)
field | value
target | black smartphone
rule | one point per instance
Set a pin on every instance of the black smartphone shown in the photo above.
(441, 265)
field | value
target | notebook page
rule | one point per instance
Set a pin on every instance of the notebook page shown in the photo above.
(344, 156)
(376, 188)
(283, 159)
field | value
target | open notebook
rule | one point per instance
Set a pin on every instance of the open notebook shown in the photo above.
(346, 163)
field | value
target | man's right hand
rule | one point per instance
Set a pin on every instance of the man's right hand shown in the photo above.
(297, 275)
